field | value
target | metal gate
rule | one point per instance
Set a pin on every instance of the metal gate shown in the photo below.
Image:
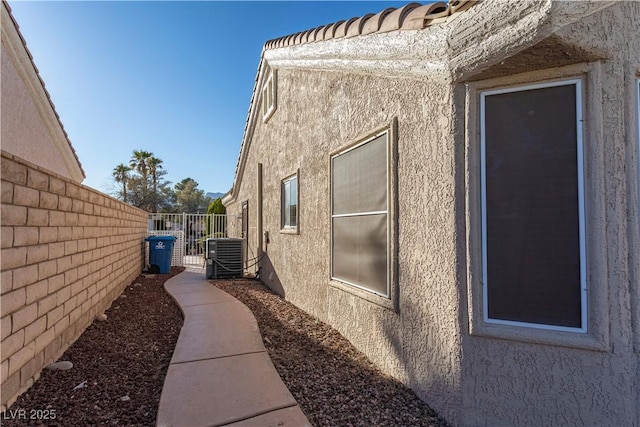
(191, 232)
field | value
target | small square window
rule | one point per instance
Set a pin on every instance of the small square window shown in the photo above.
(269, 97)
(290, 203)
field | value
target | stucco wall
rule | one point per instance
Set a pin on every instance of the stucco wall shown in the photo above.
(30, 127)
(67, 252)
(571, 383)
(319, 113)
(519, 378)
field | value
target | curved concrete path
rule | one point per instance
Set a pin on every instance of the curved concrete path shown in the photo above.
(220, 373)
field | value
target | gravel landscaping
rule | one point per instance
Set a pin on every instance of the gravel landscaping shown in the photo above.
(334, 384)
(120, 365)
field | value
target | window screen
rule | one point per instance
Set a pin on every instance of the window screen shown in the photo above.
(531, 203)
(359, 183)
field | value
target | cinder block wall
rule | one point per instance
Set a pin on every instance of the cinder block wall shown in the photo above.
(67, 252)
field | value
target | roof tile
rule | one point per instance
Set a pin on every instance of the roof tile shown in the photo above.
(393, 21)
(306, 38)
(336, 28)
(409, 17)
(355, 29)
(317, 34)
(438, 10)
(412, 16)
(373, 24)
(343, 28)
(416, 19)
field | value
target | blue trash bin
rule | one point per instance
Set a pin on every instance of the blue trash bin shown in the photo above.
(160, 249)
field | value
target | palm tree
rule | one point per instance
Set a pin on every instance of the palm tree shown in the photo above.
(121, 174)
(155, 165)
(139, 161)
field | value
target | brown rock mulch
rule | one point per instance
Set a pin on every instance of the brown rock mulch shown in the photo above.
(119, 365)
(334, 384)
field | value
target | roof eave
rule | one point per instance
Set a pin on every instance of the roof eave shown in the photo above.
(475, 49)
(408, 50)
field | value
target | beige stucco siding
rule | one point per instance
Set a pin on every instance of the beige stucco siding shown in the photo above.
(319, 113)
(572, 384)
(30, 127)
(435, 339)
(22, 125)
(632, 104)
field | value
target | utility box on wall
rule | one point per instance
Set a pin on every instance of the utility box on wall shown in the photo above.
(224, 258)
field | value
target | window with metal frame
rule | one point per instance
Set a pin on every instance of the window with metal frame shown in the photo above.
(289, 206)
(359, 215)
(533, 215)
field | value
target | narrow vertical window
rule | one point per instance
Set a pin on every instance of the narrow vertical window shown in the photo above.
(359, 215)
(638, 138)
(290, 203)
(269, 97)
(533, 240)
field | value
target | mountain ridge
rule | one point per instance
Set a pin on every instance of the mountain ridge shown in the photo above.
(214, 195)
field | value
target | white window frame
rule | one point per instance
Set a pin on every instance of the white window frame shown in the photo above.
(269, 96)
(283, 208)
(581, 206)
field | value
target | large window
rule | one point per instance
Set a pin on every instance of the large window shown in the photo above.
(359, 215)
(533, 240)
(290, 203)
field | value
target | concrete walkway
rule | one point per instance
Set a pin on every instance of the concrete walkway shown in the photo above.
(220, 373)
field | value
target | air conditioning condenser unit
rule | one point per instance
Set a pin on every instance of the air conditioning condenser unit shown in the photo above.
(224, 258)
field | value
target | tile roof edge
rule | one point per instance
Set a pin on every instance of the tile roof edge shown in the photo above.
(411, 16)
(44, 88)
(247, 133)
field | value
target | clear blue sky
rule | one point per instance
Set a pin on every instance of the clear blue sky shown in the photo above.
(173, 78)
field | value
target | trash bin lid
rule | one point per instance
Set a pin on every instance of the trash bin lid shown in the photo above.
(157, 238)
